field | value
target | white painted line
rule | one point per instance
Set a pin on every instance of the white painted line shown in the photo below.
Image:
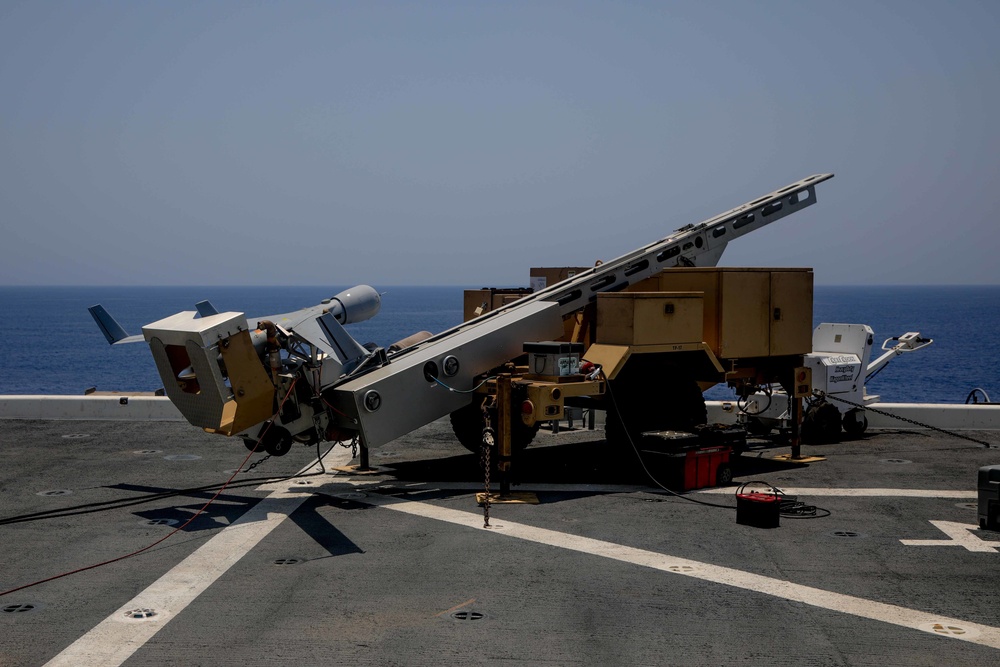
(478, 486)
(959, 536)
(859, 493)
(116, 638)
(817, 597)
(105, 408)
(717, 491)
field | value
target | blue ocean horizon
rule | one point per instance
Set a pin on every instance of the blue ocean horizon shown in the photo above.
(53, 346)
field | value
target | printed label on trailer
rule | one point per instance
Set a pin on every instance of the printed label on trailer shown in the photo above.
(842, 372)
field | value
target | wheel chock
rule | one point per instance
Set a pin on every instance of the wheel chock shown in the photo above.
(800, 459)
(517, 498)
(358, 470)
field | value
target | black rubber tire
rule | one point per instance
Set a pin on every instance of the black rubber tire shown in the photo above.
(724, 475)
(821, 423)
(275, 440)
(645, 403)
(614, 431)
(279, 447)
(467, 423)
(756, 427)
(854, 427)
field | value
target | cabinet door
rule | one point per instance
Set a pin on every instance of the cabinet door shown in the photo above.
(744, 314)
(791, 312)
(706, 281)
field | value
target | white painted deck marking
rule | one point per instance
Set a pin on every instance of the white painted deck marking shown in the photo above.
(817, 597)
(116, 638)
(719, 491)
(959, 537)
(859, 493)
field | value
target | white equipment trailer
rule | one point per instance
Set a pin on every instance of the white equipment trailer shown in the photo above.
(840, 365)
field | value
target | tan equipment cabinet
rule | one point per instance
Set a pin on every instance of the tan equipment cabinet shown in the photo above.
(649, 318)
(748, 312)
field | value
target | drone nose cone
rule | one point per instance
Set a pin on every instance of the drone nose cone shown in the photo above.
(357, 304)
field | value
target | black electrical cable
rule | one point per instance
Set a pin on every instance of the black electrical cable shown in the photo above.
(655, 481)
(462, 391)
(789, 506)
(150, 546)
(792, 508)
(90, 508)
(743, 406)
(171, 533)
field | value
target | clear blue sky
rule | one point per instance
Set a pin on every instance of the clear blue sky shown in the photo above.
(464, 142)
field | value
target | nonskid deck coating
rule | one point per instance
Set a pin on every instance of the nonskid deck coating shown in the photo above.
(397, 568)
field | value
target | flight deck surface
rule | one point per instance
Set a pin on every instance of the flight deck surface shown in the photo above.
(396, 568)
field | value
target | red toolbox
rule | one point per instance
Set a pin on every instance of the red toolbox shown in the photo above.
(702, 467)
(688, 461)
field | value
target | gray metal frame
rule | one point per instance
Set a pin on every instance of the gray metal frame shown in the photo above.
(406, 400)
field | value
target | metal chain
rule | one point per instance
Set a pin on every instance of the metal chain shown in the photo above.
(488, 440)
(905, 419)
(257, 463)
(353, 444)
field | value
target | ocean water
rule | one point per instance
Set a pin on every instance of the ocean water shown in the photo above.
(50, 344)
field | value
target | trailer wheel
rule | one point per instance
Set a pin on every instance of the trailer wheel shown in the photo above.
(855, 423)
(724, 475)
(467, 423)
(757, 428)
(637, 407)
(279, 447)
(614, 430)
(275, 440)
(821, 423)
